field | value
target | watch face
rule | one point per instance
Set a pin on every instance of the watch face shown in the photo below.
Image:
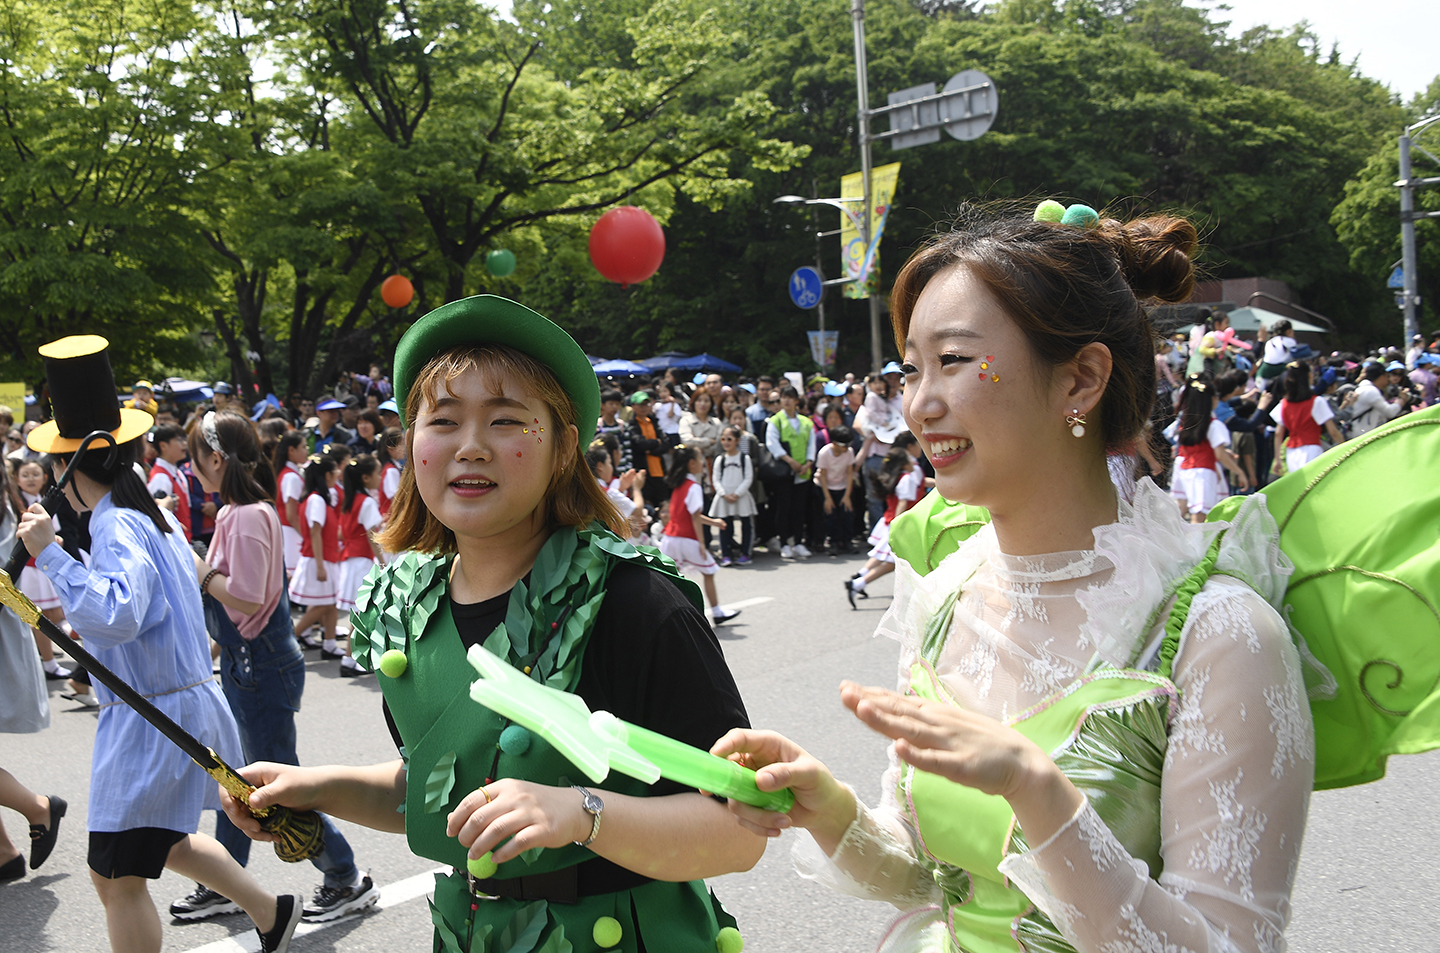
(593, 804)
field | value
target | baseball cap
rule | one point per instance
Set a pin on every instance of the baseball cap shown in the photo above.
(388, 406)
(222, 388)
(330, 403)
(891, 368)
(1394, 366)
(640, 397)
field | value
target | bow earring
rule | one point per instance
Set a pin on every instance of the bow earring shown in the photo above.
(1076, 422)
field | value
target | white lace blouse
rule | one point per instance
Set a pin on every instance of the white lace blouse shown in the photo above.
(1240, 758)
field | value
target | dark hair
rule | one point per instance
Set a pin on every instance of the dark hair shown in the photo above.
(1281, 327)
(904, 439)
(694, 401)
(10, 493)
(679, 470)
(356, 471)
(789, 391)
(372, 417)
(337, 452)
(595, 456)
(1296, 381)
(1066, 287)
(126, 488)
(281, 454)
(1195, 412)
(1231, 380)
(610, 394)
(247, 478)
(166, 433)
(895, 465)
(314, 474)
(841, 434)
(385, 444)
(1372, 371)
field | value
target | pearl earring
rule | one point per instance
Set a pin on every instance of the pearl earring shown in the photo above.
(1076, 422)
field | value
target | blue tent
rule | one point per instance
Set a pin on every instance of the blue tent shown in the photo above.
(707, 364)
(619, 368)
(661, 361)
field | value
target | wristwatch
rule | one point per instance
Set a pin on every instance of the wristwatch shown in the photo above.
(593, 806)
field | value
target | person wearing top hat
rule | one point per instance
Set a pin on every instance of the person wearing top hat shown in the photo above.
(508, 541)
(139, 604)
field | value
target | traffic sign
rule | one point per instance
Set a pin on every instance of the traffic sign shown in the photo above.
(969, 113)
(1397, 278)
(806, 286)
(923, 115)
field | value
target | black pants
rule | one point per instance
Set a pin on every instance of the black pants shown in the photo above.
(790, 499)
(839, 522)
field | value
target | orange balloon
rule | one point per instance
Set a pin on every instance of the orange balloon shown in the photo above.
(397, 291)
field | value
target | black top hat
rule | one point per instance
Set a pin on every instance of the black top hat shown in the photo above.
(82, 396)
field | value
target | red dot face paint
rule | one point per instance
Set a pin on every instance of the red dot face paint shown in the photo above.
(424, 462)
(518, 453)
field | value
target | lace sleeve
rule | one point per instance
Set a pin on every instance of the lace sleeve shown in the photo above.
(1238, 771)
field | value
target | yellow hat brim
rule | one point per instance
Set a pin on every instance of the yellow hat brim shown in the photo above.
(46, 437)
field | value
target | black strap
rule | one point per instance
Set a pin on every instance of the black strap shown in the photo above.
(565, 885)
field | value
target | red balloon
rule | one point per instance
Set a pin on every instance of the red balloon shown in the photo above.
(627, 245)
(397, 291)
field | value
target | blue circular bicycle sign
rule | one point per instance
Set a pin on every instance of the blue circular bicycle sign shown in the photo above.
(806, 286)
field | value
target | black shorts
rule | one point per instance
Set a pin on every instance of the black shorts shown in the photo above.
(138, 852)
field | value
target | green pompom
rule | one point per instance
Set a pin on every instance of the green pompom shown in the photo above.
(515, 740)
(729, 940)
(607, 932)
(393, 663)
(1049, 211)
(1081, 216)
(482, 867)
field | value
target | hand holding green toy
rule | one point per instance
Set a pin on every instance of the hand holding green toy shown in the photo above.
(596, 742)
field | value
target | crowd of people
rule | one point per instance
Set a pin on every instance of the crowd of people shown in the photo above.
(497, 478)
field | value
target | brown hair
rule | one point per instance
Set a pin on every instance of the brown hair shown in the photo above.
(573, 497)
(247, 478)
(1066, 287)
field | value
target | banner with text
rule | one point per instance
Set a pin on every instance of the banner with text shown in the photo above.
(12, 395)
(862, 263)
(822, 346)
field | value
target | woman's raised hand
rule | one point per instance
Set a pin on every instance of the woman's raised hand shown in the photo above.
(947, 740)
(530, 815)
(823, 805)
(36, 530)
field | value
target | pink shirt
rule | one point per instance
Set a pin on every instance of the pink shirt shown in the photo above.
(247, 548)
(835, 467)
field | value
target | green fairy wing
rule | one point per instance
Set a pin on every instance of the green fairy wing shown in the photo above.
(932, 529)
(1362, 524)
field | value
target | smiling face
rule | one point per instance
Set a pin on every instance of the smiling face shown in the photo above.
(484, 454)
(988, 440)
(31, 478)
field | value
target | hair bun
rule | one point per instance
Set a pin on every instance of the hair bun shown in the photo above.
(1155, 255)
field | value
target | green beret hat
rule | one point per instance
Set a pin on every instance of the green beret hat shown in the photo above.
(490, 319)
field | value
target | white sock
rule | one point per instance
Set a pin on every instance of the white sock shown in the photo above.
(329, 645)
(53, 667)
(858, 584)
(349, 662)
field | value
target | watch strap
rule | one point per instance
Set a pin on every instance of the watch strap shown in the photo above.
(593, 806)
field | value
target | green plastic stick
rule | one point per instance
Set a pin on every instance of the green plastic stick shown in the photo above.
(596, 742)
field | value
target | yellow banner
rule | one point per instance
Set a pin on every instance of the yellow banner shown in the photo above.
(862, 263)
(13, 396)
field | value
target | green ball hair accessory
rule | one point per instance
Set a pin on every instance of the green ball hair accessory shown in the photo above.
(515, 740)
(1081, 216)
(729, 940)
(1049, 211)
(607, 932)
(482, 867)
(393, 663)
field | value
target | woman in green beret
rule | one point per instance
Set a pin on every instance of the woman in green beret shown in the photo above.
(508, 542)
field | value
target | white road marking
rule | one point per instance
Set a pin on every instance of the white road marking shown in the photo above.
(746, 603)
(401, 891)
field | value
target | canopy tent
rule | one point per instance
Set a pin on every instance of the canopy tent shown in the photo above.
(661, 361)
(707, 364)
(619, 368)
(182, 391)
(1250, 319)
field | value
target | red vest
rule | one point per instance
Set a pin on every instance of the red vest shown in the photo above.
(353, 539)
(682, 521)
(1199, 456)
(1300, 426)
(384, 500)
(279, 503)
(178, 489)
(329, 532)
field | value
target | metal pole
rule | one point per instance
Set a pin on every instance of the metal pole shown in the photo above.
(819, 266)
(862, 94)
(1407, 242)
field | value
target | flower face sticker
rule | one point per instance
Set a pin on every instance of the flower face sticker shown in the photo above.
(987, 371)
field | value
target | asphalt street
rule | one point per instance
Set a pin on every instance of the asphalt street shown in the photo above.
(1366, 880)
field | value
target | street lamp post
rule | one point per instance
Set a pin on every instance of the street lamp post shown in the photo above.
(862, 93)
(1408, 215)
(839, 203)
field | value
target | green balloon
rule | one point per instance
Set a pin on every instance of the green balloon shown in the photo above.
(500, 262)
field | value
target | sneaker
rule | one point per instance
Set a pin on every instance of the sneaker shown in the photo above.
(202, 904)
(742, 560)
(786, 552)
(332, 902)
(287, 918)
(772, 545)
(721, 616)
(800, 550)
(725, 561)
